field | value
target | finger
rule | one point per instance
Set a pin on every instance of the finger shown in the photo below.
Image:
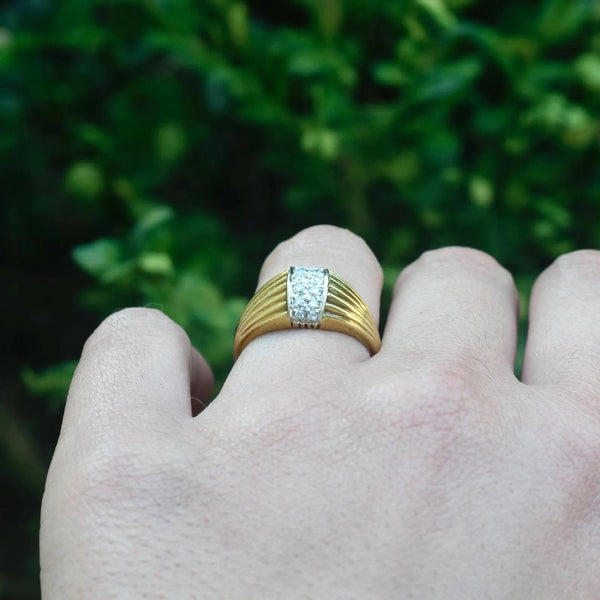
(455, 307)
(563, 342)
(137, 373)
(344, 254)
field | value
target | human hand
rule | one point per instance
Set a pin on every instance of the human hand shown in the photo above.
(427, 471)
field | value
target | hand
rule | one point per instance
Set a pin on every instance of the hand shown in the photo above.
(427, 471)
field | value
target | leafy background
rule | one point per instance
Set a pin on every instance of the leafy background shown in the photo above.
(155, 150)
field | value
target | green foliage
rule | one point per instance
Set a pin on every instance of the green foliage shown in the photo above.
(168, 145)
(52, 383)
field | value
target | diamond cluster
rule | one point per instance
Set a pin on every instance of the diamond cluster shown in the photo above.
(307, 293)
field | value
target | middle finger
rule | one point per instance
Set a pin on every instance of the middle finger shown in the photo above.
(453, 307)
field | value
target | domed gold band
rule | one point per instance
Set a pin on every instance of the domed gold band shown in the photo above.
(302, 297)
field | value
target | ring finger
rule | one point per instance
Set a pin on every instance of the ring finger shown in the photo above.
(301, 358)
(344, 254)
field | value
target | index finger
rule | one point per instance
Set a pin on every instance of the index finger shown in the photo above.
(137, 372)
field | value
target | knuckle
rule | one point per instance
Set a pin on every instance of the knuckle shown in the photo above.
(344, 237)
(459, 258)
(129, 475)
(314, 238)
(136, 316)
(128, 323)
(435, 403)
(578, 261)
(445, 401)
(432, 420)
(318, 235)
(321, 241)
(573, 274)
(471, 258)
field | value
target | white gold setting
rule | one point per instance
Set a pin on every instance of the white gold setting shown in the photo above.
(306, 295)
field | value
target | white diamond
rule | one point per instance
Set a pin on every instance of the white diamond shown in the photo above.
(307, 294)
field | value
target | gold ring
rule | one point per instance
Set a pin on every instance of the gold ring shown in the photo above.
(305, 297)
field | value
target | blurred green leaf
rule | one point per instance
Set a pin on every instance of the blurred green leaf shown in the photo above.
(156, 263)
(449, 79)
(439, 10)
(390, 74)
(150, 216)
(562, 18)
(555, 212)
(170, 142)
(481, 191)
(322, 142)
(98, 258)
(85, 180)
(51, 384)
(587, 68)
(237, 21)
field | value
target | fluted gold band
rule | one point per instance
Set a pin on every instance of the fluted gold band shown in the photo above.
(344, 311)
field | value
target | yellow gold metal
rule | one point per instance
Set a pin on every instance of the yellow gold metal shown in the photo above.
(345, 312)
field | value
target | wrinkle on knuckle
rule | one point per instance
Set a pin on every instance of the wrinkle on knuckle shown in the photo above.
(127, 477)
(434, 403)
(460, 254)
(574, 267)
(471, 259)
(321, 240)
(429, 427)
(126, 344)
(103, 376)
(444, 404)
(320, 235)
(585, 258)
(132, 324)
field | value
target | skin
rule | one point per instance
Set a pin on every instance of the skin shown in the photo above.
(427, 471)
